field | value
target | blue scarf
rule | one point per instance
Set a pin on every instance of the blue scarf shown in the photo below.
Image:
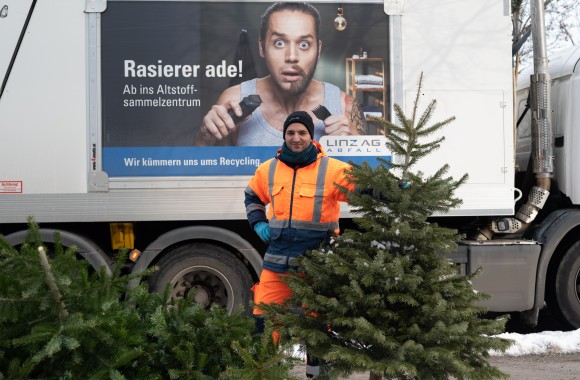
(298, 160)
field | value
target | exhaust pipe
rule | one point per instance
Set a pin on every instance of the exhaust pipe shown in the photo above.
(542, 148)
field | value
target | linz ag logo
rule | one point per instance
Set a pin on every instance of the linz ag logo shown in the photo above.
(355, 145)
(350, 142)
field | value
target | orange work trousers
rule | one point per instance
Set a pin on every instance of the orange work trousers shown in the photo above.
(270, 289)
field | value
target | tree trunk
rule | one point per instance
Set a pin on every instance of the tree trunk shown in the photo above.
(56, 294)
(375, 376)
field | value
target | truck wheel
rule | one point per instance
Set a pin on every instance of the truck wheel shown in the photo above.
(215, 276)
(568, 285)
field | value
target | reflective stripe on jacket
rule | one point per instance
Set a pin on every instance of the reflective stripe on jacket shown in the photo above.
(304, 205)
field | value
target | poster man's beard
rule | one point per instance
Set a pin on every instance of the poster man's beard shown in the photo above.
(298, 87)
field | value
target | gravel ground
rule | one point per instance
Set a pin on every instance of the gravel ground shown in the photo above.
(529, 367)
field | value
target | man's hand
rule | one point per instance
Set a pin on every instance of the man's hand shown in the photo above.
(263, 231)
(339, 125)
(217, 124)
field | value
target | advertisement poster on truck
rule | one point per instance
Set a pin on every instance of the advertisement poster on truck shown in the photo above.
(165, 64)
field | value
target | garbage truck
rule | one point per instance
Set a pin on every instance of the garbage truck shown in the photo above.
(102, 102)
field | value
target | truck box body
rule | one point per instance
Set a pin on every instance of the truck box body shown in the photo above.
(72, 142)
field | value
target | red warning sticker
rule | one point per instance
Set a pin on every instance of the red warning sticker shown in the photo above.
(10, 187)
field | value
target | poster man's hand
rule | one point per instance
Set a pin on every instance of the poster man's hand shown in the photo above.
(339, 125)
(217, 124)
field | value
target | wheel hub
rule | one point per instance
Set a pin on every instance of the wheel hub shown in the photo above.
(207, 287)
(202, 294)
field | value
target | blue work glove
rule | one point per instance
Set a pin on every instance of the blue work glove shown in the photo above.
(403, 185)
(263, 231)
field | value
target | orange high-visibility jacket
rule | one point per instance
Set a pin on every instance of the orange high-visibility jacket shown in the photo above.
(304, 205)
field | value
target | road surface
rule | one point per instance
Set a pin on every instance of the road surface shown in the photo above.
(529, 367)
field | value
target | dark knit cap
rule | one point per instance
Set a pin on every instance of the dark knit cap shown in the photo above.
(301, 117)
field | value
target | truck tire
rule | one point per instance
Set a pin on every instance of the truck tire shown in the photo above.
(568, 286)
(213, 273)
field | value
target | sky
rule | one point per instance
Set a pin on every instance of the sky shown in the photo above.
(571, 19)
(567, 11)
(553, 342)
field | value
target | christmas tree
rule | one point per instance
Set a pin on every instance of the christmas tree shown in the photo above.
(383, 298)
(61, 319)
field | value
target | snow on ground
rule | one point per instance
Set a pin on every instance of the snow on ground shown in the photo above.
(542, 343)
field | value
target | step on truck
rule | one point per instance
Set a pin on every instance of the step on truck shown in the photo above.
(101, 103)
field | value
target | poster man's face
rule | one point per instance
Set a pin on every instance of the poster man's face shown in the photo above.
(291, 50)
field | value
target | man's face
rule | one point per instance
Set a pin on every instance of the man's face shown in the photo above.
(291, 50)
(297, 137)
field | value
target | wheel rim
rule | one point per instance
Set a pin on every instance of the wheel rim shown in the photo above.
(209, 285)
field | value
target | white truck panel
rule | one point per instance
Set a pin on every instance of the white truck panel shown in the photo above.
(455, 45)
(44, 104)
(459, 45)
(568, 114)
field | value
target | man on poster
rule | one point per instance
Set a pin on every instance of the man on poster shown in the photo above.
(290, 45)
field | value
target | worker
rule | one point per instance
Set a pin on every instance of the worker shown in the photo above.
(301, 185)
